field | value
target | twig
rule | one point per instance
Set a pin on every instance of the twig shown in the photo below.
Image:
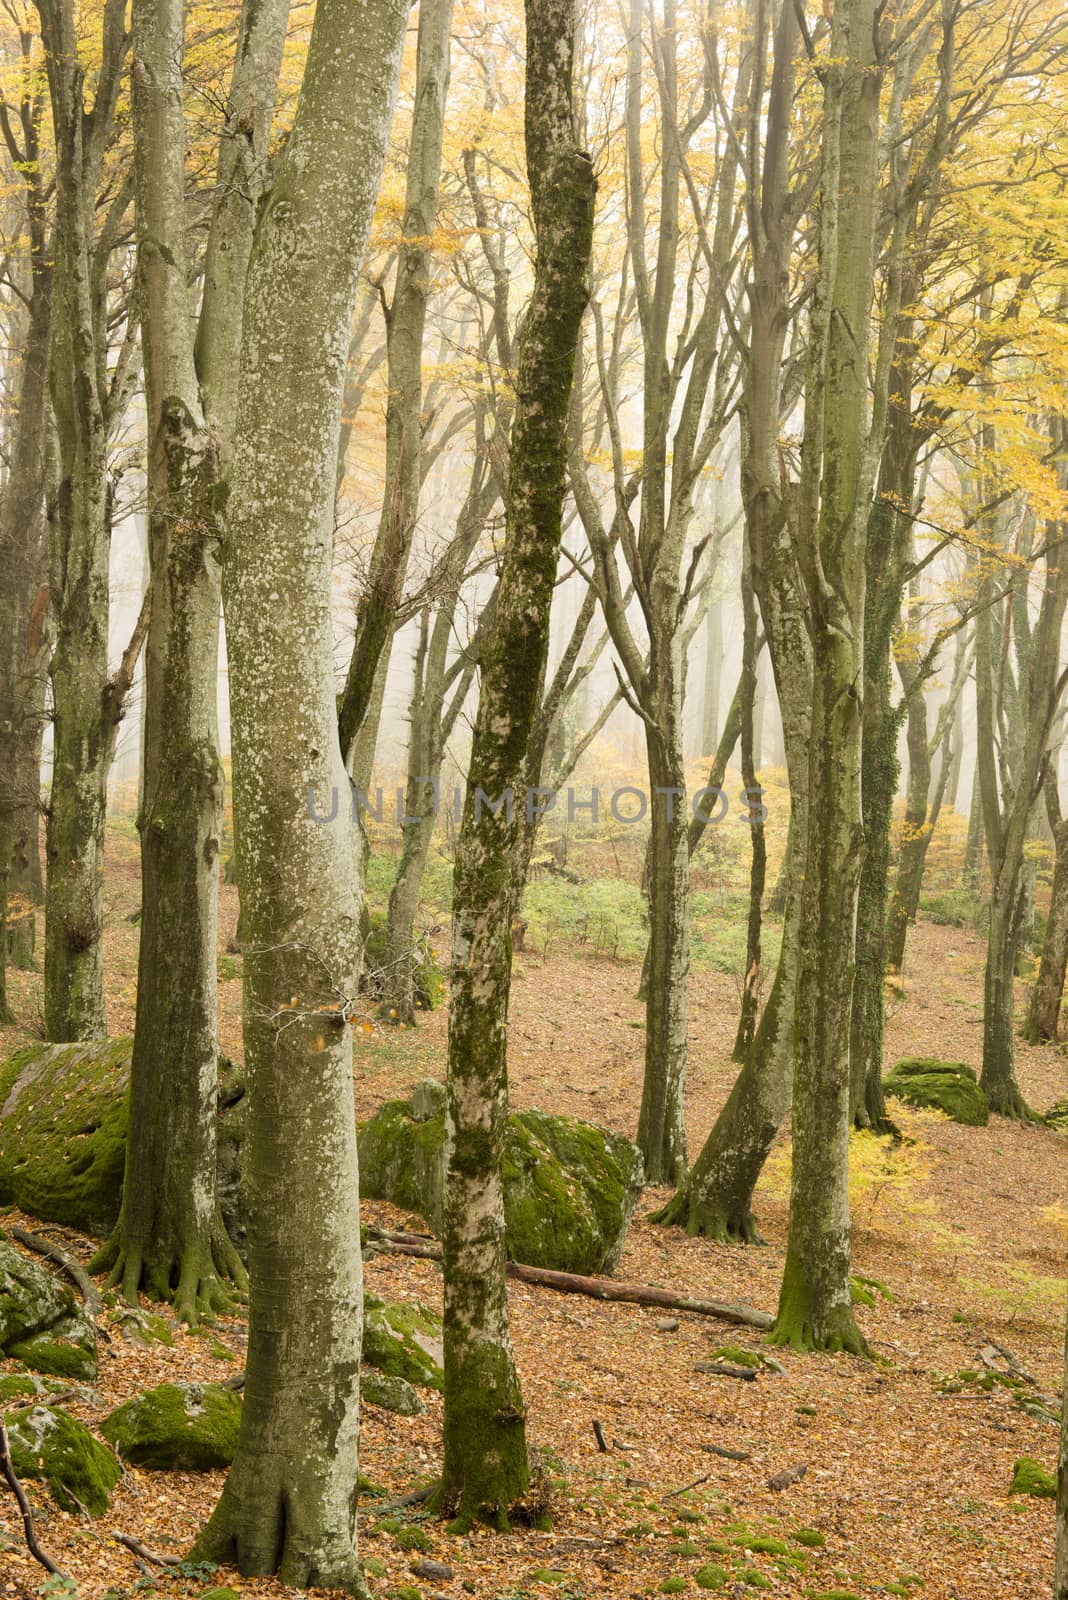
(139, 1549)
(7, 1467)
(696, 1482)
(74, 1270)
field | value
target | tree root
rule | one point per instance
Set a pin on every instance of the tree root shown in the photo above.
(702, 1220)
(201, 1282)
(73, 1269)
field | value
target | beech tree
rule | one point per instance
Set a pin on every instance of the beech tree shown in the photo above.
(170, 1236)
(289, 1503)
(485, 1467)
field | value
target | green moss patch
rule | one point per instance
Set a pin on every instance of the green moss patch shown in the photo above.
(179, 1427)
(52, 1446)
(390, 1393)
(1030, 1478)
(711, 1576)
(569, 1187)
(811, 1538)
(947, 1086)
(41, 1323)
(403, 1340)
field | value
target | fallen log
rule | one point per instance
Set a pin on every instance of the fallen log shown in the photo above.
(412, 1244)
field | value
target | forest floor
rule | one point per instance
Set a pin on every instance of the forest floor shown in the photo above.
(907, 1484)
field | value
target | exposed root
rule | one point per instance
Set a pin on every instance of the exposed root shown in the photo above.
(202, 1282)
(706, 1221)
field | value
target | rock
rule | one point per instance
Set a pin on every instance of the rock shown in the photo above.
(179, 1427)
(391, 1393)
(431, 1570)
(41, 1322)
(63, 1134)
(52, 1446)
(667, 1324)
(403, 1341)
(428, 984)
(788, 1476)
(1029, 1478)
(947, 1086)
(569, 1187)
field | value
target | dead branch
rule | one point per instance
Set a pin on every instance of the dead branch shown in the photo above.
(138, 1549)
(7, 1467)
(73, 1269)
(596, 1288)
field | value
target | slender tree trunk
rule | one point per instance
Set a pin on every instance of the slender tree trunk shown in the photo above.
(289, 1503)
(485, 1470)
(906, 896)
(661, 1120)
(1060, 1578)
(713, 675)
(87, 706)
(376, 617)
(998, 1076)
(973, 848)
(747, 1019)
(1043, 1012)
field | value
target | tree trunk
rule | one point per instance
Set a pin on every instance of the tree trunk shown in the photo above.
(973, 848)
(713, 675)
(376, 617)
(1060, 1578)
(170, 1237)
(998, 1076)
(485, 1470)
(751, 645)
(289, 1503)
(916, 833)
(87, 707)
(1043, 1012)
(661, 1120)
(815, 1305)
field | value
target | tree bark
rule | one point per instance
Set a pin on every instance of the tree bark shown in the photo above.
(170, 1236)
(485, 1470)
(1043, 1012)
(289, 1503)
(713, 675)
(85, 399)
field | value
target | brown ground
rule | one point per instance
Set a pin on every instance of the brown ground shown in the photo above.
(966, 1228)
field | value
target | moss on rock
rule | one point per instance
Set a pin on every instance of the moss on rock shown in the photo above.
(1030, 1478)
(569, 1187)
(63, 1119)
(52, 1446)
(179, 1427)
(403, 1340)
(390, 1393)
(41, 1323)
(947, 1086)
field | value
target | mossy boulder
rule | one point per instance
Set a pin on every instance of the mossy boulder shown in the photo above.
(63, 1132)
(403, 1340)
(63, 1117)
(390, 1393)
(569, 1187)
(1029, 1478)
(179, 1427)
(52, 1446)
(41, 1323)
(947, 1086)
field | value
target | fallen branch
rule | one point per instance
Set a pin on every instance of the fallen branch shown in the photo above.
(138, 1549)
(596, 1288)
(7, 1467)
(74, 1269)
(686, 1486)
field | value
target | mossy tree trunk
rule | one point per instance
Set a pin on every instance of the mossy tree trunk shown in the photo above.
(170, 1237)
(906, 893)
(24, 637)
(87, 399)
(815, 1306)
(485, 1470)
(1043, 1011)
(751, 647)
(1060, 1576)
(289, 1503)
